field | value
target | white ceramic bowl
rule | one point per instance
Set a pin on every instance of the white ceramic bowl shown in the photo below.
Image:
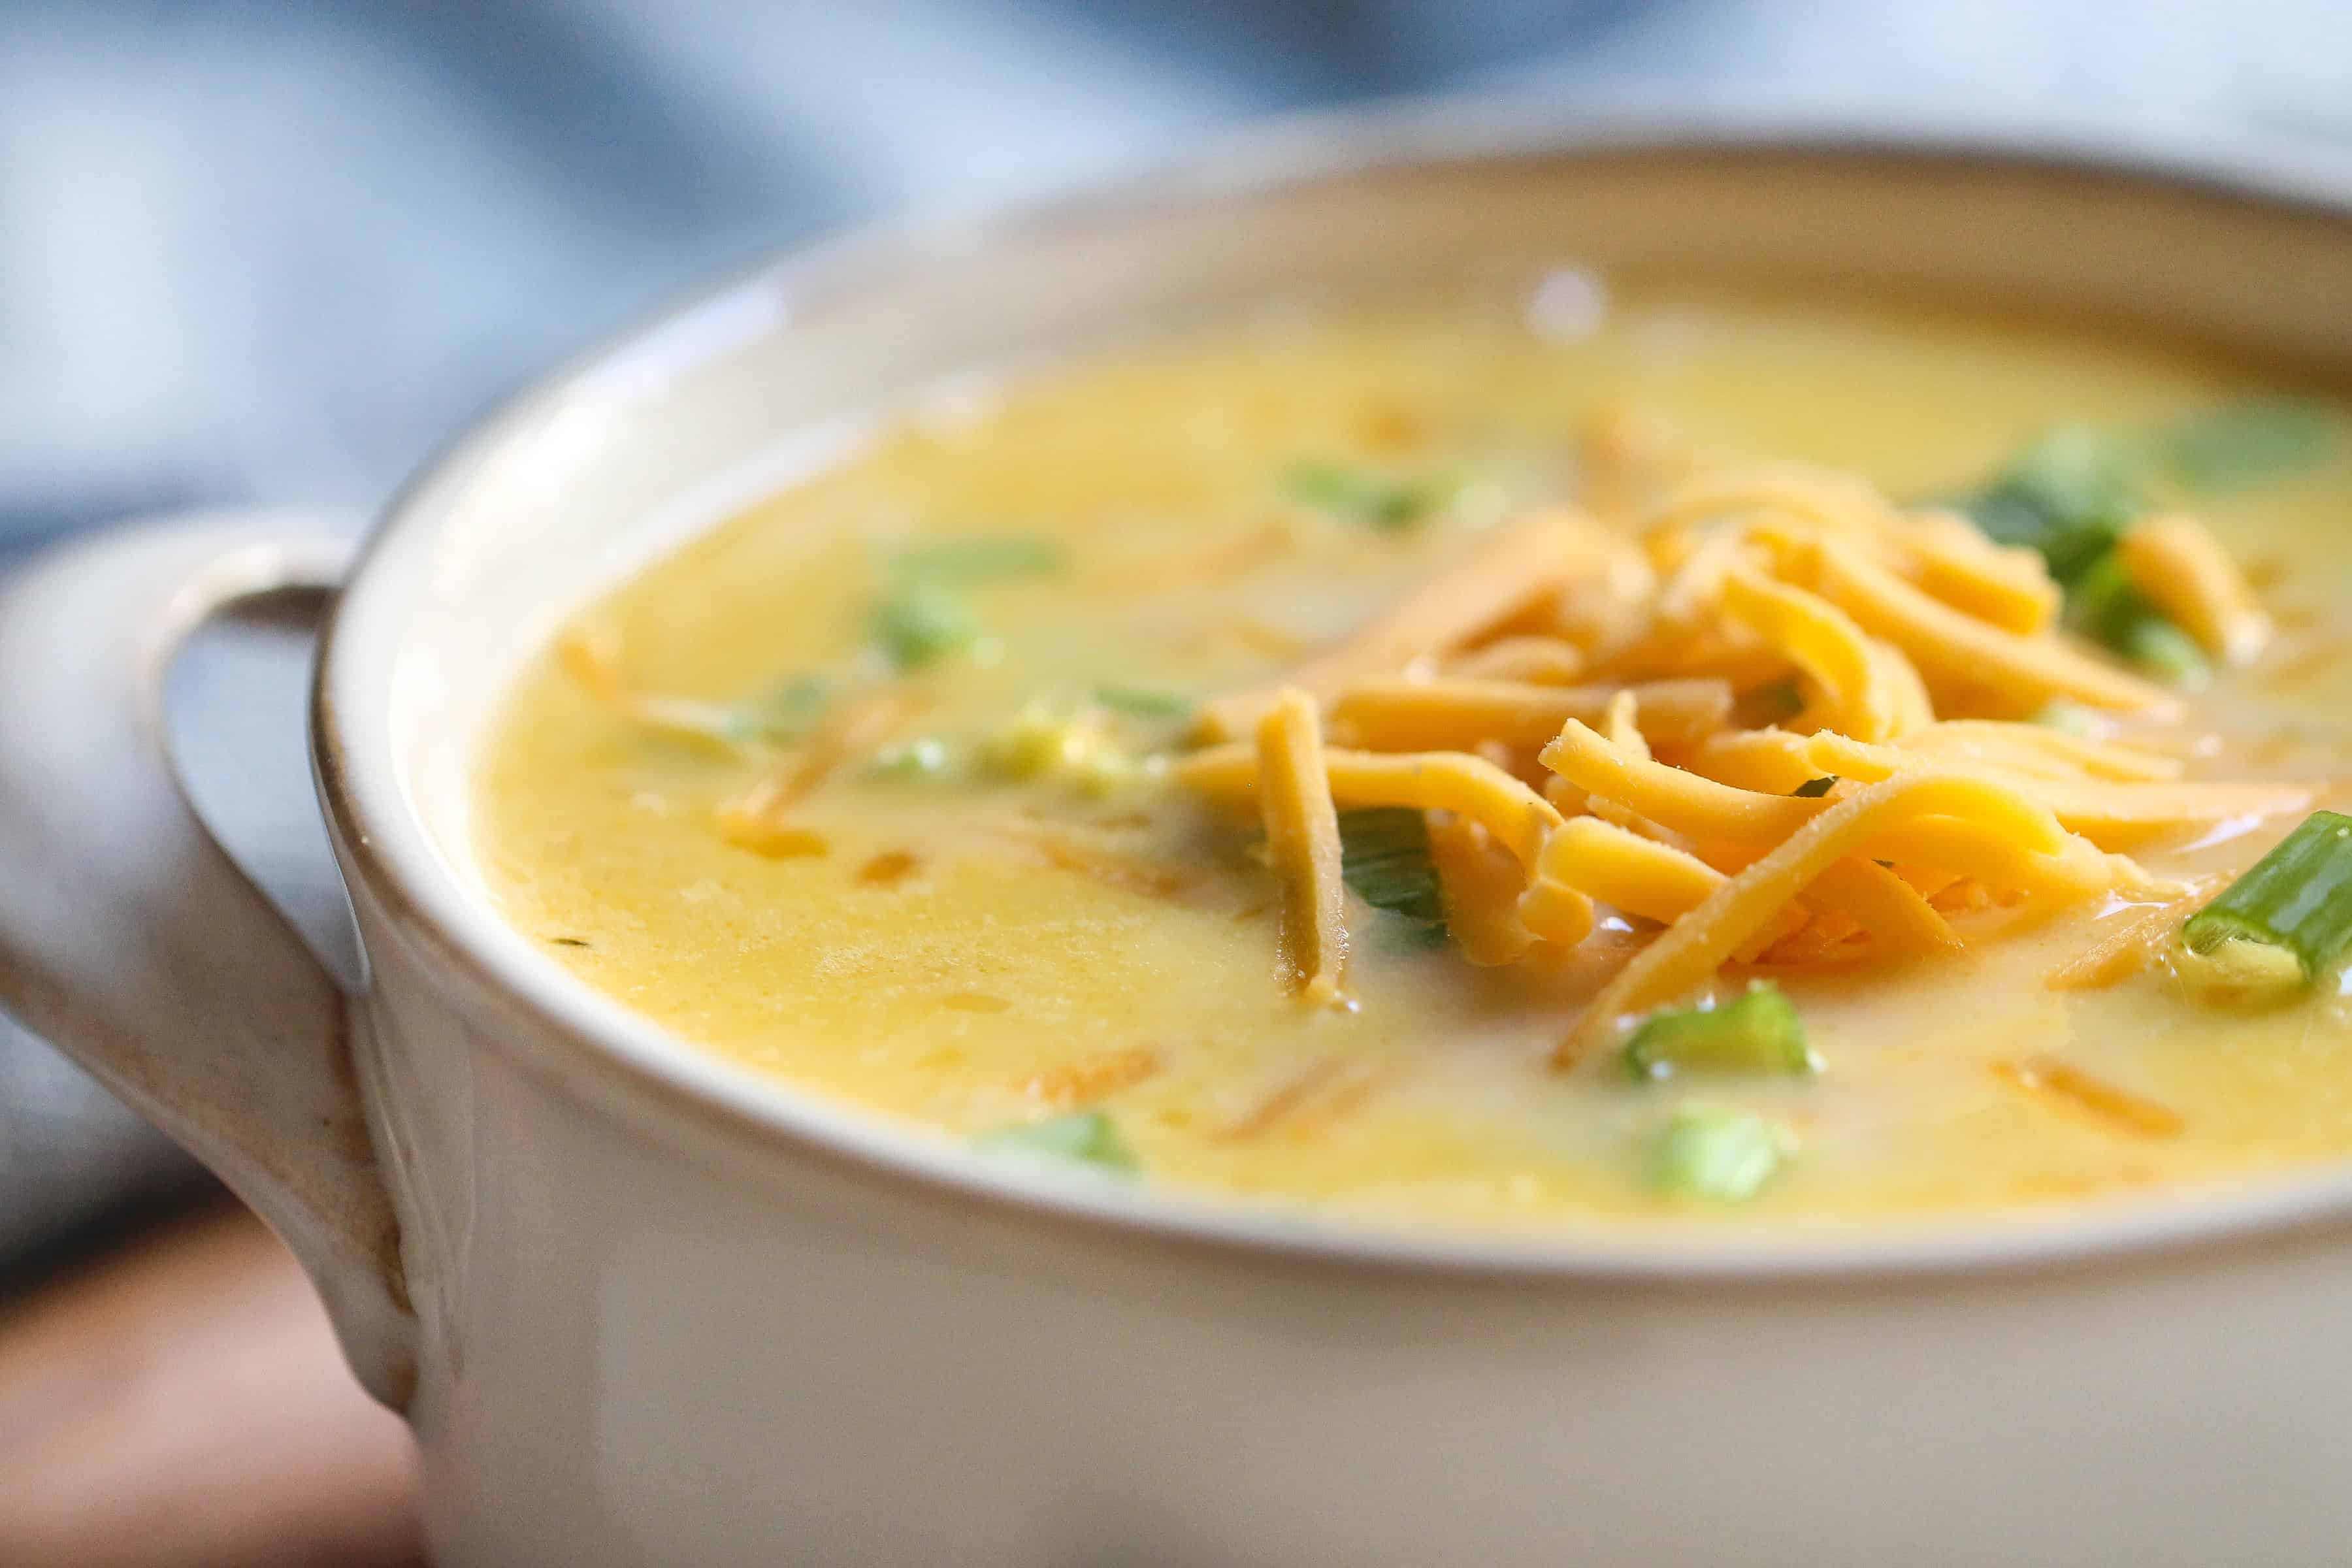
(643, 1308)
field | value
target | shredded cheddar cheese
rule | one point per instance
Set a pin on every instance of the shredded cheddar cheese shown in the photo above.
(756, 820)
(1889, 909)
(1904, 812)
(2185, 572)
(1813, 497)
(2048, 1078)
(2109, 813)
(1518, 568)
(1560, 915)
(2036, 749)
(1680, 800)
(1302, 839)
(1421, 715)
(1480, 884)
(1429, 781)
(1862, 694)
(1545, 661)
(1638, 875)
(592, 655)
(1682, 959)
(1959, 653)
(2006, 586)
(2126, 949)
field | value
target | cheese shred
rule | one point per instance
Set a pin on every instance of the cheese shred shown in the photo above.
(1302, 840)
(2186, 573)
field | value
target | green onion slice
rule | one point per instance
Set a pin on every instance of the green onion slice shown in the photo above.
(2073, 491)
(1381, 501)
(2105, 606)
(2247, 975)
(1758, 1032)
(1722, 1155)
(919, 756)
(1763, 706)
(783, 714)
(2298, 897)
(1087, 1137)
(981, 560)
(2166, 652)
(921, 623)
(2246, 442)
(923, 618)
(1813, 789)
(2069, 495)
(1384, 857)
(2072, 719)
(1143, 702)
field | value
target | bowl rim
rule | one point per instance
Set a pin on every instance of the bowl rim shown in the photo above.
(592, 1050)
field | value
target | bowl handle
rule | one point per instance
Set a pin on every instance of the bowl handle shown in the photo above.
(129, 939)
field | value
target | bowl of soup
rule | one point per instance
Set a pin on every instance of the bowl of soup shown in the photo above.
(1440, 841)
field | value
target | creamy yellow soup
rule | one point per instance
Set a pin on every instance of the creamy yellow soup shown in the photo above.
(964, 665)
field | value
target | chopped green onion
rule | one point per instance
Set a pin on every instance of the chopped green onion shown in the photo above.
(1087, 1137)
(1758, 1032)
(2102, 603)
(2105, 606)
(2069, 495)
(781, 715)
(2246, 442)
(2240, 974)
(1035, 741)
(923, 618)
(1722, 1155)
(2298, 897)
(923, 756)
(1105, 769)
(2166, 652)
(981, 560)
(1384, 857)
(2072, 493)
(1761, 707)
(1143, 702)
(921, 623)
(1379, 501)
(1813, 789)
(2071, 719)
(1039, 744)
(687, 718)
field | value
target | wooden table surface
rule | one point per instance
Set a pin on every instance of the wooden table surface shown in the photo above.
(181, 1402)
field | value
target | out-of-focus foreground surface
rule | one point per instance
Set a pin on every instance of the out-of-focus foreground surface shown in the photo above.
(183, 1402)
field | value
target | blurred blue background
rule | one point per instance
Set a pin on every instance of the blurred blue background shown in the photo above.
(278, 249)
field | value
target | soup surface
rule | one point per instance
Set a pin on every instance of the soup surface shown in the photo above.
(943, 782)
